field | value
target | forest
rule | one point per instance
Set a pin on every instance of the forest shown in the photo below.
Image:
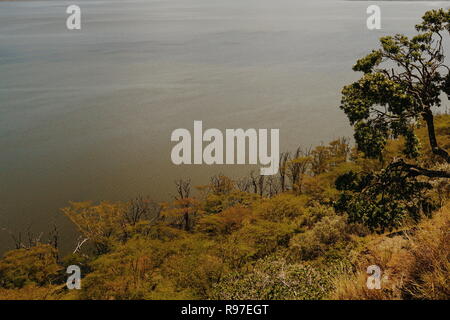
(309, 232)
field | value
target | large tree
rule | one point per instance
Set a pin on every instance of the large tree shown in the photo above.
(403, 83)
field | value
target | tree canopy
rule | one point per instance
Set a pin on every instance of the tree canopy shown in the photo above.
(403, 82)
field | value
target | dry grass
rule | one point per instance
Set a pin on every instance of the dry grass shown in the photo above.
(414, 265)
(429, 270)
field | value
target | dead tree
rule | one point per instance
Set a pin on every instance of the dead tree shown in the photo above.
(142, 209)
(243, 184)
(257, 183)
(298, 166)
(272, 186)
(284, 159)
(183, 189)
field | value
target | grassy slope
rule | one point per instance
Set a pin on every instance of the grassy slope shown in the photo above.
(415, 263)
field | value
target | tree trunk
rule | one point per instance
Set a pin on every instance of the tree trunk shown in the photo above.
(429, 119)
(186, 221)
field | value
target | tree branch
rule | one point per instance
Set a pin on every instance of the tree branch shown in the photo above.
(415, 171)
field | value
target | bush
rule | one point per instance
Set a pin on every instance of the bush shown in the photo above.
(272, 278)
(35, 265)
(281, 207)
(314, 242)
(224, 223)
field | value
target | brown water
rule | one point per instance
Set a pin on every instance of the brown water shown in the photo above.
(88, 114)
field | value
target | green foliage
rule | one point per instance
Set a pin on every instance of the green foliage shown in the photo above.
(283, 207)
(99, 223)
(36, 265)
(264, 237)
(272, 278)
(313, 213)
(402, 84)
(130, 271)
(367, 63)
(225, 222)
(382, 200)
(216, 203)
(435, 21)
(387, 102)
(314, 242)
(195, 267)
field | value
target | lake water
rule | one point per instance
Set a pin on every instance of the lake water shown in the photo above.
(87, 115)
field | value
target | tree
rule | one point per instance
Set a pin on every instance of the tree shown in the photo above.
(182, 211)
(383, 200)
(26, 266)
(402, 84)
(102, 224)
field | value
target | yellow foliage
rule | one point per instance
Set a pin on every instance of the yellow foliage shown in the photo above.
(225, 222)
(282, 207)
(36, 265)
(33, 292)
(101, 224)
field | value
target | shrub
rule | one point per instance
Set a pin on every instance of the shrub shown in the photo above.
(35, 265)
(327, 232)
(281, 207)
(225, 222)
(272, 278)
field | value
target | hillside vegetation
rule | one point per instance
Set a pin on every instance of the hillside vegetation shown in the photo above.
(247, 239)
